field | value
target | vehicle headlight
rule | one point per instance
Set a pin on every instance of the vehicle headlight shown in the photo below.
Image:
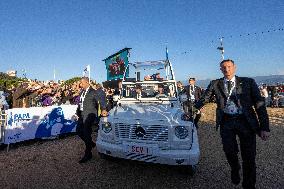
(106, 127)
(181, 132)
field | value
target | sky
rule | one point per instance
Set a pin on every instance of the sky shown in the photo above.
(40, 35)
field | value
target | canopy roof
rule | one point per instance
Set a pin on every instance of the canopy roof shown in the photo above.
(158, 63)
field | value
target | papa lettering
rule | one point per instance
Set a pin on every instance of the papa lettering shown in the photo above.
(21, 116)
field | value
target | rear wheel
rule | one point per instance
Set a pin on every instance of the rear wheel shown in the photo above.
(108, 157)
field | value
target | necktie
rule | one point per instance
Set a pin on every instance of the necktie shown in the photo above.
(191, 90)
(229, 85)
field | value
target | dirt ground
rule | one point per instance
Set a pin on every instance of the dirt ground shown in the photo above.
(54, 164)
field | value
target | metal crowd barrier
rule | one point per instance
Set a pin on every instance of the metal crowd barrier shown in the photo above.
(3, 124)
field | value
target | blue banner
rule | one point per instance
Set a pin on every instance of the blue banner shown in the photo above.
(39, 122)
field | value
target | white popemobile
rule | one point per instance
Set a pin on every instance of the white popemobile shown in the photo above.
(148, 122)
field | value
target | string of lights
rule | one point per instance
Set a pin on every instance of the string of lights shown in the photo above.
(251, 34)
(216, 41)
(221, 47)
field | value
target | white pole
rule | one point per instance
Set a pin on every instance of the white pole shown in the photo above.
(167, 72)
(89, 73)
(54, 73)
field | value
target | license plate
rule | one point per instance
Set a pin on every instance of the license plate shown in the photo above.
(139, 149)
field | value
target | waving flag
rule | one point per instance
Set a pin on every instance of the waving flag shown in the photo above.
(87, 71)
(117, 65)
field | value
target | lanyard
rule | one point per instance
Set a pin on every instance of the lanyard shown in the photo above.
(82, 98)
(231, 90)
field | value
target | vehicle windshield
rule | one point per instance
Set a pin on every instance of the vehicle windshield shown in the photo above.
(149, 90)
(149, 80)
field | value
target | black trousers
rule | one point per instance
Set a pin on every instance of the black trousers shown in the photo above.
(84, 131)
(188, 107)
(238, 126)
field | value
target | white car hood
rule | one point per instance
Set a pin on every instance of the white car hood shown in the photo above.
(145, 112)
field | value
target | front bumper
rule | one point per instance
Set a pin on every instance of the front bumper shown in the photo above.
(157, 155)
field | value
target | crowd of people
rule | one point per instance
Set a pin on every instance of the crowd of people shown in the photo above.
(32, 93)
(272, 95)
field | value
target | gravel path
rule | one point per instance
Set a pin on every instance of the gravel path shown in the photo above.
(53, 164)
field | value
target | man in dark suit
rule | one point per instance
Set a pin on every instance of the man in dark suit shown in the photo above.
(240, 112)
(87, 113)
(193, 93)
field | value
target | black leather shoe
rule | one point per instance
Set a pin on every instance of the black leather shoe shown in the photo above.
(235, 177)
(86, 158)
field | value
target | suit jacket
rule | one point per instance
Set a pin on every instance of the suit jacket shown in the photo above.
(197, 92)
(248, 94)
(92, 100)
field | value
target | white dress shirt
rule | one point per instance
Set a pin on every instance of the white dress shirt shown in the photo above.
(233, 80)
(82, 98)
(191, 92)
(231, 107)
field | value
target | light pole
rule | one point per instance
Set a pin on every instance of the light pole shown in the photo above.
(221, 48)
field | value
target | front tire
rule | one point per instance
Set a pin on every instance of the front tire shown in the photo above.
(103, 156)
(188, 170)
(192, 169)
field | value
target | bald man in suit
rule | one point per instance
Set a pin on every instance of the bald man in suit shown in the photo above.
(87, 113)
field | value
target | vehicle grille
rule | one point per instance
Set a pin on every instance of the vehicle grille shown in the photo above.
(152, 132)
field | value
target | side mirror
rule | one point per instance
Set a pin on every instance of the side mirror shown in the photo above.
(116, 98)
(183, 98)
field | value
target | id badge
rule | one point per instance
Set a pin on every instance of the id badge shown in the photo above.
(231, 107)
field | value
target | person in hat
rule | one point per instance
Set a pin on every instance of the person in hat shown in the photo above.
(193, 93)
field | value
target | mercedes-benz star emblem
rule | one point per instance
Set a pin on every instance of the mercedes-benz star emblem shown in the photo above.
(140, 132)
